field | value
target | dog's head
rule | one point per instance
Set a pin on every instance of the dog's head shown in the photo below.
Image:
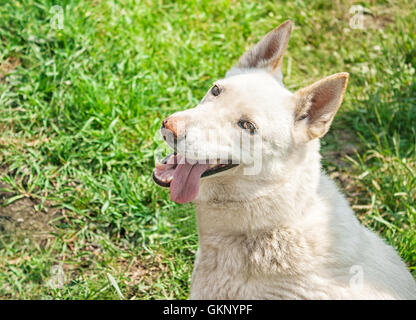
(248, 123)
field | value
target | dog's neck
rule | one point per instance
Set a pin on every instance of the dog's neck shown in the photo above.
(231, 205)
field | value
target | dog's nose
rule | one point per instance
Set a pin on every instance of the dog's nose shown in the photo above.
(173, 126)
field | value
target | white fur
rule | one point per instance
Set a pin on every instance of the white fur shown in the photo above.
(285, 232)
(292, 238)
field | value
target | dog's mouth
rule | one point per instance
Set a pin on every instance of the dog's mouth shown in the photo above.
(183, 176)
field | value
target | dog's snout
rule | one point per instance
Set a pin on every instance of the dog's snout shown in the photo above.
(173, 126)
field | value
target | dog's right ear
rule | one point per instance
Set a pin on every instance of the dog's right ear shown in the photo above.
(267, 53)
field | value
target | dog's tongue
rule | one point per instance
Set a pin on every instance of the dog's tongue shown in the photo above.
(184, 186)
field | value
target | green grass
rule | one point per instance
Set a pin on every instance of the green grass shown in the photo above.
(80, 109)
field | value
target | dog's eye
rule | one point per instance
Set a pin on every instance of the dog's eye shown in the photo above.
(247, 125)
(215, 90)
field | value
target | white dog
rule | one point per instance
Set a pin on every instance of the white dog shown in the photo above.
(271, 224)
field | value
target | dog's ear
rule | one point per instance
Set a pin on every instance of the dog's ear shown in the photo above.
(268, 52)
(316, 105)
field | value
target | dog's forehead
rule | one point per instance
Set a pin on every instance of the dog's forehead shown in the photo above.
(259, 83)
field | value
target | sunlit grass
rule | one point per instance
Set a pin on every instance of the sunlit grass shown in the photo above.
(80, 111)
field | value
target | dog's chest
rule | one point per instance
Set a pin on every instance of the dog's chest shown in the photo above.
(217, 277)
(264, 266)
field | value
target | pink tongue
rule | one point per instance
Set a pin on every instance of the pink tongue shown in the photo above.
(184, 186)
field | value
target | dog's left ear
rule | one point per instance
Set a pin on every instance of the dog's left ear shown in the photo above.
(316, 105)
(267, 53)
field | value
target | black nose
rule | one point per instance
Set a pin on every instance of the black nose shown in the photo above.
(164, 122)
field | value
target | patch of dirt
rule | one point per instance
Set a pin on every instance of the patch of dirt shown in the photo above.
(8, 65)
(20, 219)
(146, 268)
(342, 143)
(349, 186)
(21, 142)
(338, 156)
(141, 273)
